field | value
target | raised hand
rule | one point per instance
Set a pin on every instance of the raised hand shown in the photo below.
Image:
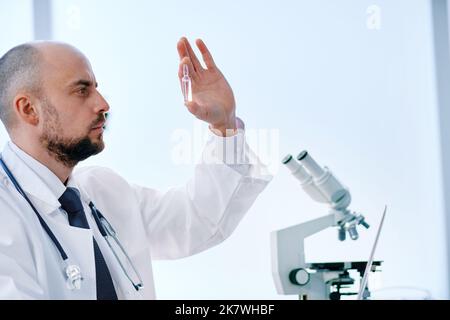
(212, 97)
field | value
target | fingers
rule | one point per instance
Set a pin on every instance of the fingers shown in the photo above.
(187, 51)
(182, 50)
(207, 57)
(192, 73)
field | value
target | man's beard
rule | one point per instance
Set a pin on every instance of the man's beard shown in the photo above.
(68, 151)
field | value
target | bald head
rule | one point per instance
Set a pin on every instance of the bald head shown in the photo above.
(19, 70)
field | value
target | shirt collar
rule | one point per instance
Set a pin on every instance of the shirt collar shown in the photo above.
(34, 178)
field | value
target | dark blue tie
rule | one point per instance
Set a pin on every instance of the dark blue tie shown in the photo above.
(71, 203)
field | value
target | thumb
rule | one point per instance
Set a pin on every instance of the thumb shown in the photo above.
(194, 108)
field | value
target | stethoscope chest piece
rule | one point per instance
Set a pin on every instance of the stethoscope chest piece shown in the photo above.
(74, 277)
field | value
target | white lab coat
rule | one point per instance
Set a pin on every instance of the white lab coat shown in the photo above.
(150, 224)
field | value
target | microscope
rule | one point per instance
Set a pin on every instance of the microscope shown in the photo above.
(317, 281)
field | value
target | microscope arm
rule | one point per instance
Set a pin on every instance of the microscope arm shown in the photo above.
(288, 250)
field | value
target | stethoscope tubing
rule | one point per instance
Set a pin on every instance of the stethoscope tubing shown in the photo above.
(41, 220)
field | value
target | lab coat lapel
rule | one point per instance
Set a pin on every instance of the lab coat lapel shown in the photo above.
(30, 181)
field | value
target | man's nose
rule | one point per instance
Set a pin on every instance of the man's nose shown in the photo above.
(102, 105)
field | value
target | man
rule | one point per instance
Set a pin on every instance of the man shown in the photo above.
(51, 232)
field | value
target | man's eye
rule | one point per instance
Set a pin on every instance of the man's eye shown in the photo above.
(83, 91)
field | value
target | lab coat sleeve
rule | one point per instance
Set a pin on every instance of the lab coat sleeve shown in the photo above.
(17, 272)
(185, 220)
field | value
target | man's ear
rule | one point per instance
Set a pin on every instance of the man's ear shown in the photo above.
(25, 109)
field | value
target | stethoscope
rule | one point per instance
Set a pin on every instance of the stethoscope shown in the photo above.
(72, 271)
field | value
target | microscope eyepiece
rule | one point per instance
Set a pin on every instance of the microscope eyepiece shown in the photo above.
(310, 165)
(287, 159)
(302, 155)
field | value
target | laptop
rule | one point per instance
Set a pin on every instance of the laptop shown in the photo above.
(370, 262)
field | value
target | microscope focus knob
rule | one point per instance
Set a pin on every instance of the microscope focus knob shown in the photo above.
(299, 276)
